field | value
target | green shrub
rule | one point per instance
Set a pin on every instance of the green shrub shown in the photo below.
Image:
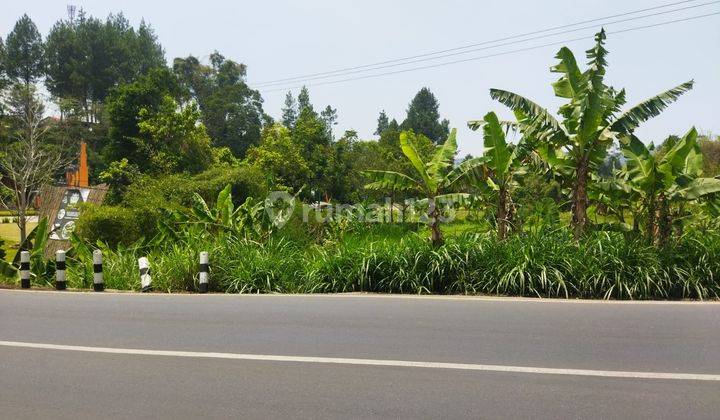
(175, 191)
(114, 225)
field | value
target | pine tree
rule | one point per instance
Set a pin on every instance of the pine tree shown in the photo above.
(329, 116)
(289, 111)
(149, 52)
(304, 100)
(383, 123)
(24, 52)
(423, 117)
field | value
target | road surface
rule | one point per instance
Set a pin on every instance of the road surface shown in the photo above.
(94, 355)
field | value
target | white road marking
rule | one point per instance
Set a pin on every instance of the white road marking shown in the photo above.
(370, 362)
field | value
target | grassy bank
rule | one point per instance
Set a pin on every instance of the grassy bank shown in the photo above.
(603, 266)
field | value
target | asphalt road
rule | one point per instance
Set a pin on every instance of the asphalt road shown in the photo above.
(277, 357)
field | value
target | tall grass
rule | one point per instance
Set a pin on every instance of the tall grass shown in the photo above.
(604, 265)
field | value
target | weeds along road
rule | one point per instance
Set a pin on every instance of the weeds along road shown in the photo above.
(93, 355)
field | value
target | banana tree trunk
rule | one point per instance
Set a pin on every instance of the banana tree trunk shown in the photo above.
(676, 221)
(580, 198)
(434, 223)
(392, 205)
(502, 214)
(514, 224)
(651, 224)
(664, 220)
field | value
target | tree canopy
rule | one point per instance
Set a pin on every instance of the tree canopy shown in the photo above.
(231, 110)
(24, 59)
(423, 117)
(87, 57)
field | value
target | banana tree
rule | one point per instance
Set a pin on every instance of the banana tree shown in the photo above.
(500, 164)
(672, 179)
(591, 119)
(251, 219)
(429, 178)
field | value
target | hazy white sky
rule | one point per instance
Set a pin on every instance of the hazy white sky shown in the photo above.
(283, 38)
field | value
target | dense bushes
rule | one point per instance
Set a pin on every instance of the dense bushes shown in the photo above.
(148, 200)
(175, 191)
(546, 265)
(113, 225)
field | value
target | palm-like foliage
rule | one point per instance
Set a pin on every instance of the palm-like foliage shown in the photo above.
(496, 169)
(591, 119)
(669, 180)
(249, 220)
(429, 179)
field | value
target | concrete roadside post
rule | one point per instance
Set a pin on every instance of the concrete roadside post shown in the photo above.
(60, 277)
(145, 279)
(25, 269)
(204, 271)
(98, 281)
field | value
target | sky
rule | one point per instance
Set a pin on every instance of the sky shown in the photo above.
(280, 39)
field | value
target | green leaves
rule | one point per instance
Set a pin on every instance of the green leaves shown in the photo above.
(589, 125)
(572, 82)
(641, 168)
(472, 170)
(675, 174)
(596, 58)
(701, 187)
(411, 153)
(496, 149)
(252, 218)
(628, 121)
(444, 156)
(434, 175)
(390, 180)
(224, 207)
(537, 122)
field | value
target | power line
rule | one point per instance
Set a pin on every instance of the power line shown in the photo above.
(295, 78)
(437, 57)
(301, 77)
(492, 55)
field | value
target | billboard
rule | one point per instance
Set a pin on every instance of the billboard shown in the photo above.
(68, 212)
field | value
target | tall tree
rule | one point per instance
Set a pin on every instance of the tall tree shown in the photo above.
(24, 52)
(383, 123)
(279, 157)
(304, 100)
(231, 111)
(423, 117)
(123, 107)
(29, 161)
(87, 57)
(311, 136)
(591, 119)
(172, 139)
(148, 52)
(329, 116)
(289, 111)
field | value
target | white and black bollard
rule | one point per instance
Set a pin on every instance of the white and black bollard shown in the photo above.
(60, 278)
(204, 271)
(25, 269)
(98, 281)
(145, 279)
